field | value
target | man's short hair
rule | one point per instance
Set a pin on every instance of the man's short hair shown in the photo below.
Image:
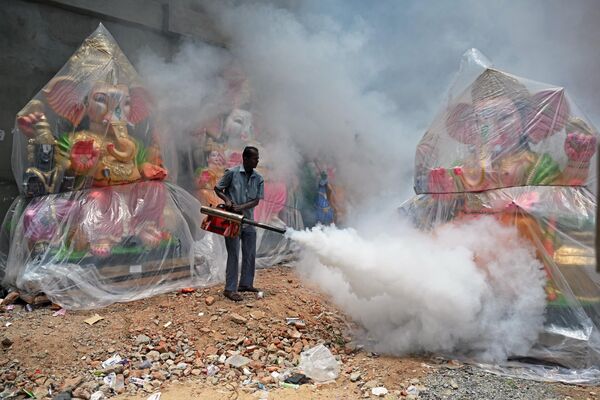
(248, 150)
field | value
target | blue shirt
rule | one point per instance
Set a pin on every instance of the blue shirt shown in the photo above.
(241, 189)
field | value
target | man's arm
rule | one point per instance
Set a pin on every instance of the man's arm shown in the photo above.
(223, 184)
(245, 206)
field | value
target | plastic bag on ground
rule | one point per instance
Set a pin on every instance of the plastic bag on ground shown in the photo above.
(319, 364)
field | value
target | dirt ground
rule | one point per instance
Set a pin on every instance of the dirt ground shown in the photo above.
(42, 352)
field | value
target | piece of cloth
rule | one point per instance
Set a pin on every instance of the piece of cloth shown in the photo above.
(248, 239)
(240, 189)
(324, 210)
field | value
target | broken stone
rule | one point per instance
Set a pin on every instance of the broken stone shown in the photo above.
(238, 318)
(354, 376)
(71, 384)
(142, 339)
(379, 391)
(237, 361)
(10, 298)
(153, 355)
(209, 300)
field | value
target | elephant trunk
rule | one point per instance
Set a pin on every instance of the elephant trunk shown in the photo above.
(126, 148)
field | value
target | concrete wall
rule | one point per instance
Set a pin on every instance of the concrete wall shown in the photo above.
(37, 38)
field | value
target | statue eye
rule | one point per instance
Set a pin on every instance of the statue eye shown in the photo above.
(100, 98)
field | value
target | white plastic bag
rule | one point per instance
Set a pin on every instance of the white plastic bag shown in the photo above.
(319, 364)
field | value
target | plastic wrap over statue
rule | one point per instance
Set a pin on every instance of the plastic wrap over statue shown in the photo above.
(97, 223)
(521, 152)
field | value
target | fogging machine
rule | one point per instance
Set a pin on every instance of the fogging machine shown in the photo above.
(229, 224)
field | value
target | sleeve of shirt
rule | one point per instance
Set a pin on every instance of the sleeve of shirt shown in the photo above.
(261, 189)
(225, 180)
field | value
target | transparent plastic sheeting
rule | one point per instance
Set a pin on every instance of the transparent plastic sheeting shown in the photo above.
(96, 221)
(90, 248)
(521, 151)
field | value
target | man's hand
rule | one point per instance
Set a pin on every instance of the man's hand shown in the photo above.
(237, 208)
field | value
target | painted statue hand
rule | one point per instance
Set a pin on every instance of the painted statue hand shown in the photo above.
(26, 123)
(153, 172)
(580, 146)
(84, 156)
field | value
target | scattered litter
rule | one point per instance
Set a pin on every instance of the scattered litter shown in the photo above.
(93, 320)
(146, 364)
(297, 379)
(187, 290)
(98, 396)
(114, 381)
(30, 394)
(379, 391)
(137, 381)
(154, 396)
(288, 385)
(168, 324)
(114, 360)
(260, 295)
(412, 390)
(319, 364)
(28, 308)
(8, 324)
(201, 314)
(111, 380)
(10, 307)
(62, 312)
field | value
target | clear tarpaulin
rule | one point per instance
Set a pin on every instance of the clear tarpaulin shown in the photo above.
(96, 221)
(520, 151)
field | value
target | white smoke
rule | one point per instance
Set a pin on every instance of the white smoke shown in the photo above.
(358, 83)
(473, 289)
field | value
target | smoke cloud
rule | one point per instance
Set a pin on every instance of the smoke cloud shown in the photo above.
(357, 83)
(474, 289)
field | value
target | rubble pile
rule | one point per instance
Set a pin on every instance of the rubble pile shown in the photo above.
(142, 347)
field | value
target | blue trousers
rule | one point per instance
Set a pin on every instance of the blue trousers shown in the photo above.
(248, 239)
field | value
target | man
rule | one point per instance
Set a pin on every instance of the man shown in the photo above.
(241, 188)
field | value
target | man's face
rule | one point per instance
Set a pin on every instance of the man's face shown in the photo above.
(251, 160)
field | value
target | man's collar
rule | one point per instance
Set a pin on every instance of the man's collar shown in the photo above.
(242, 169)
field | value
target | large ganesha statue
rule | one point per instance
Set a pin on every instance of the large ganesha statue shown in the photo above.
(79, 136)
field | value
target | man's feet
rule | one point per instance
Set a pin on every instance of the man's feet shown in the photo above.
(248, 289)
(234, 296)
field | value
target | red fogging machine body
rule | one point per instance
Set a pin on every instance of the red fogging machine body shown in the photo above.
(229, 224)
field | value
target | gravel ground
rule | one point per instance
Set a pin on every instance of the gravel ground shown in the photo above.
(471, 383)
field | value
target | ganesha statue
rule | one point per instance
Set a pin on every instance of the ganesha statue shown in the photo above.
(506, 134)
(516, 151)
(89, 131)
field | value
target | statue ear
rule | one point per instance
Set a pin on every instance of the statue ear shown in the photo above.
(142, 104)
(460, 123)
(549, 114)
(64, 96)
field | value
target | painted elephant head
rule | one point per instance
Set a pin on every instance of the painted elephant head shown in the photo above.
(105, 104)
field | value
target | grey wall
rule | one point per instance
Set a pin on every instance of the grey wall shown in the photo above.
(37, 38)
